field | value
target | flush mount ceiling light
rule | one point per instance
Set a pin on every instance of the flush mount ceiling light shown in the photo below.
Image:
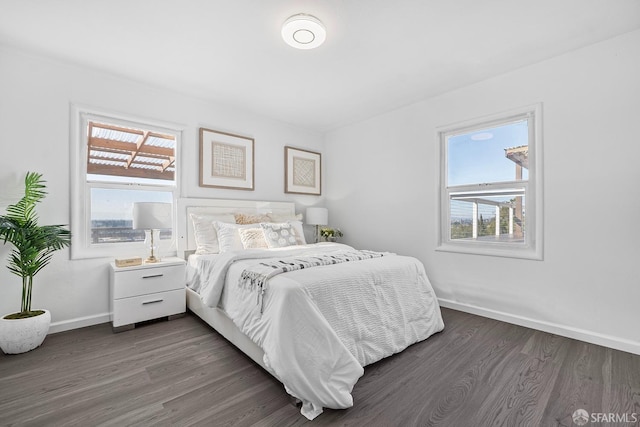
(303, 31)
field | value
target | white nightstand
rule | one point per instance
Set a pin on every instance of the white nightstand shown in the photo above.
(146, 292)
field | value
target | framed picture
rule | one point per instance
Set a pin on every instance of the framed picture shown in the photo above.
(226, 160)
(302, 171)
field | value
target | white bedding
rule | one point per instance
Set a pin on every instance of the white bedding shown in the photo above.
(321, 325)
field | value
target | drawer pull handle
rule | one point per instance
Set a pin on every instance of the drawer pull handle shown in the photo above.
(152, 276)
(152, 302)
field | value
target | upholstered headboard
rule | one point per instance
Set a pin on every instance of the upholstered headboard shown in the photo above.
(185, 240)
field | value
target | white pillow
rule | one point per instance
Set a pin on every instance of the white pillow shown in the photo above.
(298, 227)
(228, 236)
(204, 232)
(281, 234)
(284, 218)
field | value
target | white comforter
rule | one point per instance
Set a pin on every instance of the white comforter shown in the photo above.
(321, 325)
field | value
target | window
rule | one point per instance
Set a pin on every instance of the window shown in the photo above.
(490, 185)
(118, 162)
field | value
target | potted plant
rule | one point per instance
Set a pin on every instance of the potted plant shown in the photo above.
(330, 234)
(34, 246)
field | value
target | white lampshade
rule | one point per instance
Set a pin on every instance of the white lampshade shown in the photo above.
(152, 216)
(317, 216)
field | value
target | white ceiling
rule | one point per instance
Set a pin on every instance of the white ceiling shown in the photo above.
(379, 54)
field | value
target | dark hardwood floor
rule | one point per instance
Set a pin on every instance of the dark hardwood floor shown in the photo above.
(477, 372)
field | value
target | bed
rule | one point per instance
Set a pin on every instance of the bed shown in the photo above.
(312, 315)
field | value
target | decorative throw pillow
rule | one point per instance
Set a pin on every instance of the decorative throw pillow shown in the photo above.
(252, 238)
(279, 235)
(296, 220)
(204, 233)
(241, 218)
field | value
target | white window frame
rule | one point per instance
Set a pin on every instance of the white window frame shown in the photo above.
(533, 245)
(81, 246)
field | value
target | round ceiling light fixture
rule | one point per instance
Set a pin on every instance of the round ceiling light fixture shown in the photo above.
(303, 31)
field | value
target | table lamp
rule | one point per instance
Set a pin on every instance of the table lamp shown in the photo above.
(317, 217)
(152, 216)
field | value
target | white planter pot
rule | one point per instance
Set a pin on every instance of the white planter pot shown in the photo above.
(22, 335)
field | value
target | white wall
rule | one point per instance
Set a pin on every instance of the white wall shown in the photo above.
(35, 98)
(382, 191)
(382, 184)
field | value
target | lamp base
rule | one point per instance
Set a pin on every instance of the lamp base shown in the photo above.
(152, 258)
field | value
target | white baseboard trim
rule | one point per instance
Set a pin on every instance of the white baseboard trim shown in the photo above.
(553, 328)
(79, 322)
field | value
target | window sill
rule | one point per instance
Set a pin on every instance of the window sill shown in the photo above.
(495, 250)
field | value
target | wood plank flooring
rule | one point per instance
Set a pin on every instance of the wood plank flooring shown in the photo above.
(477, 372)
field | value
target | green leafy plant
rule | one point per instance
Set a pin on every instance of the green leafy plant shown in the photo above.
(329, 233)
(34, 245)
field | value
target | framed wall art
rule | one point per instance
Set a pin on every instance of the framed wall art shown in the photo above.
(302, 171)
(226, 160)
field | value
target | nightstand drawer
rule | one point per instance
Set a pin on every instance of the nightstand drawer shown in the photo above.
(148, 280)
(150, 306)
